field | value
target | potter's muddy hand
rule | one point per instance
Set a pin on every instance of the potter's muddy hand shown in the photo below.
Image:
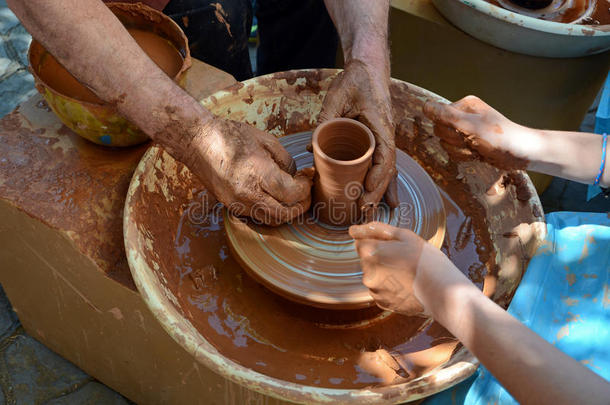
(245, 168)
(362, 92)
(250, 172)
(471, 123)
(358, 93)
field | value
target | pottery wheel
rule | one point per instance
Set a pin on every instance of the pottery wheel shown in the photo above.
(316, 264)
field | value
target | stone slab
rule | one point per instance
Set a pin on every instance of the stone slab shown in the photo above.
(8, 318)
(36, 374)
(92, 393)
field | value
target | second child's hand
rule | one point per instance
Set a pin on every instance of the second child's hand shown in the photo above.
(471, 123)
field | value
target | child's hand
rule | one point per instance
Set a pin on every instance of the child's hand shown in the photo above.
(471, 123)
(389, 257)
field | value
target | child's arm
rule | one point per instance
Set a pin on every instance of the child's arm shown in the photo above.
(407, 275)
(471, 123)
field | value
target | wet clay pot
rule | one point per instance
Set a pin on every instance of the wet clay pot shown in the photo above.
(79, 108)
(342, 152)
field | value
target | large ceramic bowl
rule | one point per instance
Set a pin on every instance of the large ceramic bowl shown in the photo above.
(159, 248)
(99, 122)
(520, 33)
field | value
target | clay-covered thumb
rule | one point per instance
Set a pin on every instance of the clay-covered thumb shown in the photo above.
(279, 155)
(334, 102)
(307, 172)
(286, 189)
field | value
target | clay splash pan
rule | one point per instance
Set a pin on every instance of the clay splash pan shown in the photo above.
(183, 267)
(314, 263)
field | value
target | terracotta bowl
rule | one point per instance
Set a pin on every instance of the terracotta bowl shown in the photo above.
(159, 252)
(99, 122)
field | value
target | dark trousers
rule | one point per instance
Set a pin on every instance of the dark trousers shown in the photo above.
(293, 34)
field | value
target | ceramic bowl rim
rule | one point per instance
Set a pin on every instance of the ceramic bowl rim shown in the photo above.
(536, 24)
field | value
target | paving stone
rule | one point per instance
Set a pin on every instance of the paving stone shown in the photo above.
(35, 374)
(9, 62)
(16, 84)
(7, 18)
(17, 44)
(8, 318)
(14, 90)
(93, 393)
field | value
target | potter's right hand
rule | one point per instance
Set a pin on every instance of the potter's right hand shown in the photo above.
(362, 92)
(472, 123)
(249, 171)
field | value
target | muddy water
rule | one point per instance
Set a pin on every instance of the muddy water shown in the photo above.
(160, 50)
(262, 331)
(586, 12)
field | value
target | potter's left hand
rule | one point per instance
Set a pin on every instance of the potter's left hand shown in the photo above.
(390, 258)
(362, 92)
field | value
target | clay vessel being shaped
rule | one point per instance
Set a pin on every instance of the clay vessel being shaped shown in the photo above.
(342, 151)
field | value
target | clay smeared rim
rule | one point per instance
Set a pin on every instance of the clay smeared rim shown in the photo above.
(458, 368)
(159, 300)
(138, 9)
(316, 146)
(525, 21)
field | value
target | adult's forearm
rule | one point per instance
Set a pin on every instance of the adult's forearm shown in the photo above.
(570, 155)
(363, 29)
(95, 47)
(531, 369)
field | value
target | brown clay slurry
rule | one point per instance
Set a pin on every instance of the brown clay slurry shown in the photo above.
(585, 12)
(160, 50)
(262, 331)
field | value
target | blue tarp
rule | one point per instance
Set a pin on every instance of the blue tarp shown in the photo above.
(564, 297)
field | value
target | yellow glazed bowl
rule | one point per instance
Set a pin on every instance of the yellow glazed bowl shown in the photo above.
(100, 122)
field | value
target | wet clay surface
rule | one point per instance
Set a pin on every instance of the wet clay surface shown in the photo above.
(585, 12)
(490, 236)
(160, 50)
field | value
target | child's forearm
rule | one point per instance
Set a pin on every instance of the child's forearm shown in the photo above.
(531, 369)
(571, 155)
